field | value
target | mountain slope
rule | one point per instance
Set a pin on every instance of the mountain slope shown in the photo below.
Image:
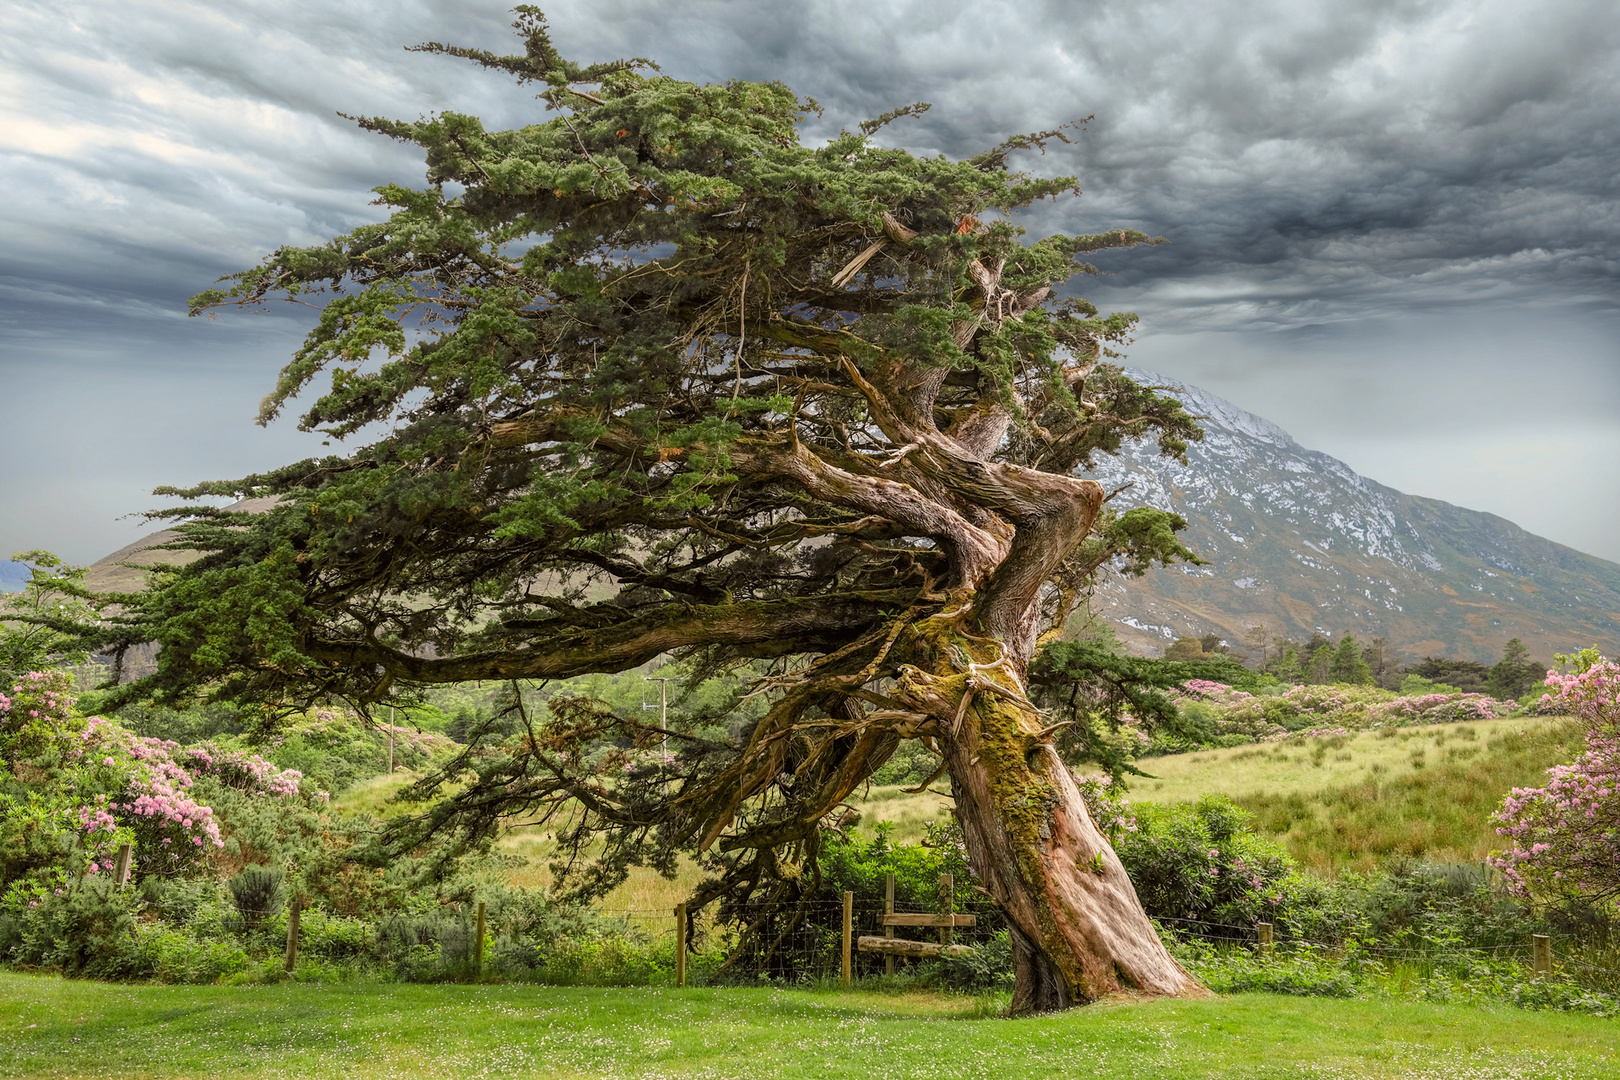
(1299, 542)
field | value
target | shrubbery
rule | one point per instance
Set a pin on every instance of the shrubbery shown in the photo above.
(1565, 837)
(1218, 715)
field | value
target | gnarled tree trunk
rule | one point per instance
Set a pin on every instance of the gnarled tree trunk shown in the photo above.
(1078, 929)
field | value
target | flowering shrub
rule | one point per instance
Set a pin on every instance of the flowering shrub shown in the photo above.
(1105, 802)
(36, 715)
(1439, 709)
(1225, 716)
(1311, 733)
(165, 761)
(1566, 836)
(1200, 863)
(1207, 688)
(110, 787)
(247, 772)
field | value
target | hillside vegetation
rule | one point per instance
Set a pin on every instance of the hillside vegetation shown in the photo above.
(1356, 801)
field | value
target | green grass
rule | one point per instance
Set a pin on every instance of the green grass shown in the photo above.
(901, 809)
(55, 1027)
(1356, 802)
(374, 795)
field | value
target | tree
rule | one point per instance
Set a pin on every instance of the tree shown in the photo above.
(1319, 665)
(1258, 638)
(650, 377)
(1380, 664)
(1184, 648)
(1515, 675)
(41, 625)
(1286, 666)
(1466, 675)
(1348, 665)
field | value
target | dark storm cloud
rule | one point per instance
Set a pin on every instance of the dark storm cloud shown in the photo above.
(1318, 167)
(1349, 154)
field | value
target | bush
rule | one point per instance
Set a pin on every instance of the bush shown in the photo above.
(168, 955)
(911, 764)
(1563, 836)
(1200, 863)
(83, 927)
(1228, 970)
(258, 891)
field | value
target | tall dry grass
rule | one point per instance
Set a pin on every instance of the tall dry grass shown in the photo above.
(1356, 802)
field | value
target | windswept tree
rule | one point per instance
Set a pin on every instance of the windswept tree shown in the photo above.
(650, 377)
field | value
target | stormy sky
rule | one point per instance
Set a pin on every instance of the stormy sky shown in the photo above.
(1394, 227)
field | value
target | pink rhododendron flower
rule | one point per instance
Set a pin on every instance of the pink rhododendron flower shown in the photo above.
(1563, 834)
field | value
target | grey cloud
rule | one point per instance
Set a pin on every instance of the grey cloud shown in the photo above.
(1324, 171)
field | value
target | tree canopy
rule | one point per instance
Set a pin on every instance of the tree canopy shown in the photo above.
(650, 376)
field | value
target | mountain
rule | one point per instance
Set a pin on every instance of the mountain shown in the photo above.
(1299, 542)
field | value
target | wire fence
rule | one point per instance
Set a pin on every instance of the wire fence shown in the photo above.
(811, 941)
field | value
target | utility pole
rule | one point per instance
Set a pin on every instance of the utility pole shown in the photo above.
(663, 716)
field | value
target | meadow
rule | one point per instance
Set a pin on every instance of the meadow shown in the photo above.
(55, 1027)
(1355, 801)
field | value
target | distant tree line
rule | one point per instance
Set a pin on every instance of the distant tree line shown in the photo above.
(1319, 659)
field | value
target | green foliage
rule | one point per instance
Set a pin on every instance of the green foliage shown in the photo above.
(1318, 664)
(1287, 667)
(1413, 685)
(184, 725)
(41, 626)
(1093, 687)
(258, 891)
(1348, 665)
(1200, 862)
(1299, 973)
(1468, 676)
(555, 247)
(84, 926)
(1580, 662)
(1515, 675)
(861, 866)
(911, 764)
(70, 782)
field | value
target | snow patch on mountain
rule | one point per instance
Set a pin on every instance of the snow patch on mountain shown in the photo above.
(1295, 538)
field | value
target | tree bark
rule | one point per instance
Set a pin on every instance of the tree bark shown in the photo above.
(1078, 929)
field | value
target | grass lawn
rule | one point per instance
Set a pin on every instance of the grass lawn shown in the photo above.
(62, 1028)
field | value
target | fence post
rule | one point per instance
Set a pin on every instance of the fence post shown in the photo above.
(1264, 932)
(292, 932)
(1541, 952)
(849, 912)
(888, 931)
(478, 950)
(680, 944)
(947, 903)
(124, 854)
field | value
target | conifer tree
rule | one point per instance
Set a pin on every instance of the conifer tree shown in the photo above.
(1348, 665)
(649, 376)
